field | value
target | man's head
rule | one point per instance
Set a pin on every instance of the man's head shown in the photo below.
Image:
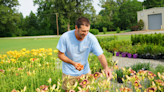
(82, 26)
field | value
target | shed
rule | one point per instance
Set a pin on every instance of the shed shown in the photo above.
(153, 18)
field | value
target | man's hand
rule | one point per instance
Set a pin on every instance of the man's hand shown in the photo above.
(78, 66)
(108, 73)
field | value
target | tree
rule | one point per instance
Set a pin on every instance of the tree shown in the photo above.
(68, 11)
(128, 13)
(9, 17)
(107, 13)
(153, 3)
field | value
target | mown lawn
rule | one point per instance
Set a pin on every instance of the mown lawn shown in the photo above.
(32, 43)
(110, 32)
(18, 44)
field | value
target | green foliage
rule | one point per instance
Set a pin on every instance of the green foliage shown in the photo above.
(156, 39)
(9, 17)
(104, 30)
(140, 66)
(127, 13)
(105, 41)
(159, 68)
(119, 73)
(118, 30)
(128, 30)
(94, 62)
(153, 3)
(94, 31)
(116, 45)
(140, 24)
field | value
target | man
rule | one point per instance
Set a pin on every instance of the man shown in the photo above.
(74, 48)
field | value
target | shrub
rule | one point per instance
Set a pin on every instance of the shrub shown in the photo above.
(140, 24)
(94, 31)
(134, 28)
(104, 30)
(118, 30)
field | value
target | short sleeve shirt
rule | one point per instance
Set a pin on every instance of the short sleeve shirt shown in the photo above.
(78, 51)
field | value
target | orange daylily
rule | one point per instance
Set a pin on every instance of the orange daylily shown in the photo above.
(125, 89)
(79, 67)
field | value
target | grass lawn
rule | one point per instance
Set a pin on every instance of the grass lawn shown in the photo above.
(112, 32)
(18, 44)
(31, 43)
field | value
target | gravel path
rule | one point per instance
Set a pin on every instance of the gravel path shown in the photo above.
(126, 62)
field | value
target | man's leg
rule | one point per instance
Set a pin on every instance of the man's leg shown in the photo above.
(71, 80)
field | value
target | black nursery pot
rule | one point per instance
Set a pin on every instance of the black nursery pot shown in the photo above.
(155, 57)
(144, 56)
(139, 56)
(119, 80)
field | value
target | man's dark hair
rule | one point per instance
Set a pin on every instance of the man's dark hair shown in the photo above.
(82, 21)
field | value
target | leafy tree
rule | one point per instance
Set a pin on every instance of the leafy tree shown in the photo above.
(9, 17)
(67, 10)
(128, 13)
(153, 3)
(107, 12)
(31, 25)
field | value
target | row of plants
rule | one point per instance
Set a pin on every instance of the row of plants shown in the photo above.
(126, 49)
(103, 41)
(157, 39)
(146, 51)
(40, 70)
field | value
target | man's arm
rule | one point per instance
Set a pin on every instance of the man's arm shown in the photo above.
(65, 58)
(104, 63)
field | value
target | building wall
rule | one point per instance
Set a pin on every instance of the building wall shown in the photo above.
(144, 15)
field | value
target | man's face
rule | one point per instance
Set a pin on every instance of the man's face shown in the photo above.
(83, 31)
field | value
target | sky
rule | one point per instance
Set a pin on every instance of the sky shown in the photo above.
(26, 6)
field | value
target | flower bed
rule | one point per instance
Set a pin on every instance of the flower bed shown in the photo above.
(40, 70)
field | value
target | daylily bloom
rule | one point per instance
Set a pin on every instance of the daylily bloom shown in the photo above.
(20, 69)
(96, 75)
(142, 72)
(44, 87)
(53, 87)
(151, 74)
(23, 49)
(50, 54)
(132, 71)
(55, 51)
(84, 83)
(17, 74)
(13, 90)
(49, 81)
(71, 90)
(2, 70)
(160, 82)
(151, 89)
(116, 67)
(125, 89)
(137, 85)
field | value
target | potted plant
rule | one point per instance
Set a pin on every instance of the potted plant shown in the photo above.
(129, 51)
(119, 75)
(124, 52)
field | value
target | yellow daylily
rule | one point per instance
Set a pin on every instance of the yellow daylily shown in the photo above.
(23, 49)
(55, 51)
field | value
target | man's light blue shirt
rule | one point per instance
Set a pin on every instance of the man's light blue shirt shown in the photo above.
(78, 51)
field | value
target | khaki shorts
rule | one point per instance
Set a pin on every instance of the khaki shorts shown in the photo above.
(71, 80)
